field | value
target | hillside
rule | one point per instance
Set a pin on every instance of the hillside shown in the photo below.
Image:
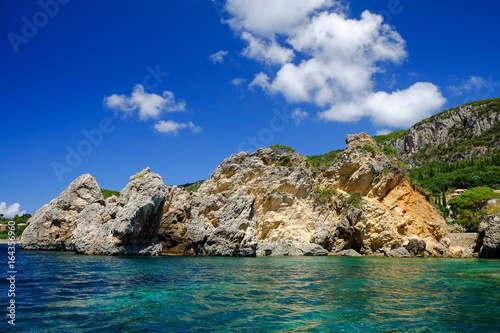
(467, 131)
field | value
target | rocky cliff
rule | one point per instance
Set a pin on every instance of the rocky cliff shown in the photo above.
(80, 220)
(270, 202)
(448, 134)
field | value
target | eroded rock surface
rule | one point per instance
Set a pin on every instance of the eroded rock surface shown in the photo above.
(79, 219)
(273, 203)
(270, 202)
(488, 240)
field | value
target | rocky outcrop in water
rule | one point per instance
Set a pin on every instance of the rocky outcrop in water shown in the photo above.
(488, 240)
(80, 220)
(52, 226)
(272, 203)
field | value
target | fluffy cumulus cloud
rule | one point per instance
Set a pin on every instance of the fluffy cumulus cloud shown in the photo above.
(10, 211)
(315, 53)
(151, 106)
(299, 115)
(218, 57)
(172, 127)
(148, 105)
(401, 108)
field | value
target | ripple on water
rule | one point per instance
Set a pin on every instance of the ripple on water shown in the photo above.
(67, 292)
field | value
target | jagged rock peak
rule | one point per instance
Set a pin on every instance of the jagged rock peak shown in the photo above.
(358, 140)
(51, 227)
(80, 220)
(140, 174)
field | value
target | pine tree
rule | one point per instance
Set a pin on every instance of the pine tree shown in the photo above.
(431, 172)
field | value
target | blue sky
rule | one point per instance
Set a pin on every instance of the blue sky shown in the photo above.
(111, 87)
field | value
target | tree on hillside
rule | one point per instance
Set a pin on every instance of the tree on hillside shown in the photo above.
(469, 207)
(282, 149)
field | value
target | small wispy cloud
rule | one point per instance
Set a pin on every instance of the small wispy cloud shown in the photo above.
(149, 105)
(473, 83)
(238, 81)
(383, 131)
(298, 116)
(172, 127)
(218, 57)
(12, 210)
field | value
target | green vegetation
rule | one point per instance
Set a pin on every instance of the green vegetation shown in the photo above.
(108, 193)
(469, 207)
(323, 160)
(441, 176)
(285, 161)
(324, 193)
(368, 148)
(388, 150)
(275, 191)
(354, 199)
(282, 149)
(380, 139)
(19, 224)
(454, 149)
(192, 187)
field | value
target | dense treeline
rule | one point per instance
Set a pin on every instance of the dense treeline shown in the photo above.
(440, 176)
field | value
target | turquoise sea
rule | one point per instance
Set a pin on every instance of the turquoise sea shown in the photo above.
(65, 292)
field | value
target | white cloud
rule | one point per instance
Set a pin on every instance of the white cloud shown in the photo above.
(261, 80)
(148, 105)
(383, 131)
(264, 17)
(337, 59)
(218, 57)
(194, 128)
(474, 82)
(404, 107)
(298, 116)
(267, 51)
(172, 127)
(238, 81)
(10, 211)
(401, 108)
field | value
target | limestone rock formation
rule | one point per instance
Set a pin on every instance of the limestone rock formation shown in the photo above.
(488, 240)
(461, 123)
(81, 220)
(400, 252)
(52, 226)
(272, 203)
(458, 245)
(348, 253)
(416, 247)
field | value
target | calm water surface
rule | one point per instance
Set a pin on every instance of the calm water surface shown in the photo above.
(64, 292)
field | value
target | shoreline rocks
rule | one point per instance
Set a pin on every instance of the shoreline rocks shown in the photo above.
(80, 220)
(267, 203)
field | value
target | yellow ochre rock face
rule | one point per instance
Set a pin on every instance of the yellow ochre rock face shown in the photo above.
(273, 203)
